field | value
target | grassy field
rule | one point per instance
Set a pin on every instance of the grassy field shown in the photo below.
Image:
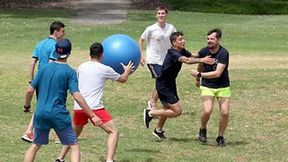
(258, 71)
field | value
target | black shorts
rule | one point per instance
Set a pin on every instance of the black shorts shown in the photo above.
(155, 70)
(167, 92)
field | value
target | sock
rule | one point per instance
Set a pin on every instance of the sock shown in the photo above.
(109, 160)
(150, 114)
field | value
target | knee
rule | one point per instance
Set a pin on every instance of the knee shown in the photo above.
(224, 114)
(206, 112)
(178, 112)
(35, 147)
(114, 132)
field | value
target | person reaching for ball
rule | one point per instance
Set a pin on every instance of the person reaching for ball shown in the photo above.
(92, 76)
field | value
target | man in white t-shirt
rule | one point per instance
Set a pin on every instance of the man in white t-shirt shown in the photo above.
(157, 37)
(92, 76)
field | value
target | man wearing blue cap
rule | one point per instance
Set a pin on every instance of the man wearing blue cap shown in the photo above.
(52, 82)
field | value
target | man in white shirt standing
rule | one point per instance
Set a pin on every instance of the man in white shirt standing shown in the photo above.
(92, 76)
(157, 37)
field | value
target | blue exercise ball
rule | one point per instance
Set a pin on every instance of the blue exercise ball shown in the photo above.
(120, 48)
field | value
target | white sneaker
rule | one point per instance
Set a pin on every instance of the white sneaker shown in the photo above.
(27, 137)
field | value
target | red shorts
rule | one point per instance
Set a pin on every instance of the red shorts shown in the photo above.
(81, 118)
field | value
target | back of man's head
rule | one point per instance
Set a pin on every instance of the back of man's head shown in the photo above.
(96, 50)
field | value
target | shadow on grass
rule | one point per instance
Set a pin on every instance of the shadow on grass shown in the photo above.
(143, 150)
(211, 142)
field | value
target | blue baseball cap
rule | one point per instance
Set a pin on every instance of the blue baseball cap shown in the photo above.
(63, 48)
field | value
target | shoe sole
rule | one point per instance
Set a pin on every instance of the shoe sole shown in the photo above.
(26, 140)
(158, 136)
(144, 118)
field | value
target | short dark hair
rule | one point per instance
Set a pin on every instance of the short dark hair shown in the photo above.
(174, 36)
(217, 31)
(56, 25)
(161, 8)
(96, 50)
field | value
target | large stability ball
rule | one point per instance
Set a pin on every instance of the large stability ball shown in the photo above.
(120, 48)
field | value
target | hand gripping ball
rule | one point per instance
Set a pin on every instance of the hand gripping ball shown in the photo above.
(120, 48)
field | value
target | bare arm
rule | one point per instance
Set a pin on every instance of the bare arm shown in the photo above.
(214, 74)
(209, 75)
(29, 96)
(32, 68)
(193, 60)
(127, 71)
(141, 46)
(82, 103)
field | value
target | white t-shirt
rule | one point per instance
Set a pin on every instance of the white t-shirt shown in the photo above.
(92, 77)
(158, 42)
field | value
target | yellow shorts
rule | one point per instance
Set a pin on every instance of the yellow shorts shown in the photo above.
(215, 92)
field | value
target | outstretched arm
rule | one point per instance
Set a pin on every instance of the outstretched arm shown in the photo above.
(193, 60)
(127, 71)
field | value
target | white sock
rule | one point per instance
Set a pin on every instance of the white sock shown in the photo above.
(109, 160)
(149, 113)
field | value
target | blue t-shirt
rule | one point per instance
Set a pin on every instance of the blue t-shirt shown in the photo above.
(52, 82)
(221, 56)
(44, 51)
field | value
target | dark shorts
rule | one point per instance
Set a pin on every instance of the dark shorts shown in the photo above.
(67, 136)
(155, 70)
(167, 92)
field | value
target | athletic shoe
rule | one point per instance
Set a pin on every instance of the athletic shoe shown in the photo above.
(27, 137)
(220, 141)
(202, 135)
(147, 119)
(58, 160)
(159, 134)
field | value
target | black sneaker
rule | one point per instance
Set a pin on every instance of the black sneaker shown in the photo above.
(220, 141)
(58, 160)
(159, 134)
(147, 119)
(202, 135)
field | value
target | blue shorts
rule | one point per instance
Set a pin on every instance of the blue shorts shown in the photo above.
(155, 70)
(67, 136)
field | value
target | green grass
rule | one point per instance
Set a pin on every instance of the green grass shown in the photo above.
(258, 70)
(255, 7)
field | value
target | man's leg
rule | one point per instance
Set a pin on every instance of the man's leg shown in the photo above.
(31, 153)
(153, 99)
(205, 116)
(224, 105)
(207, 110)
(168, 111)
(28, 135)
(65, 148)
(75, 153)
(112, 141)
